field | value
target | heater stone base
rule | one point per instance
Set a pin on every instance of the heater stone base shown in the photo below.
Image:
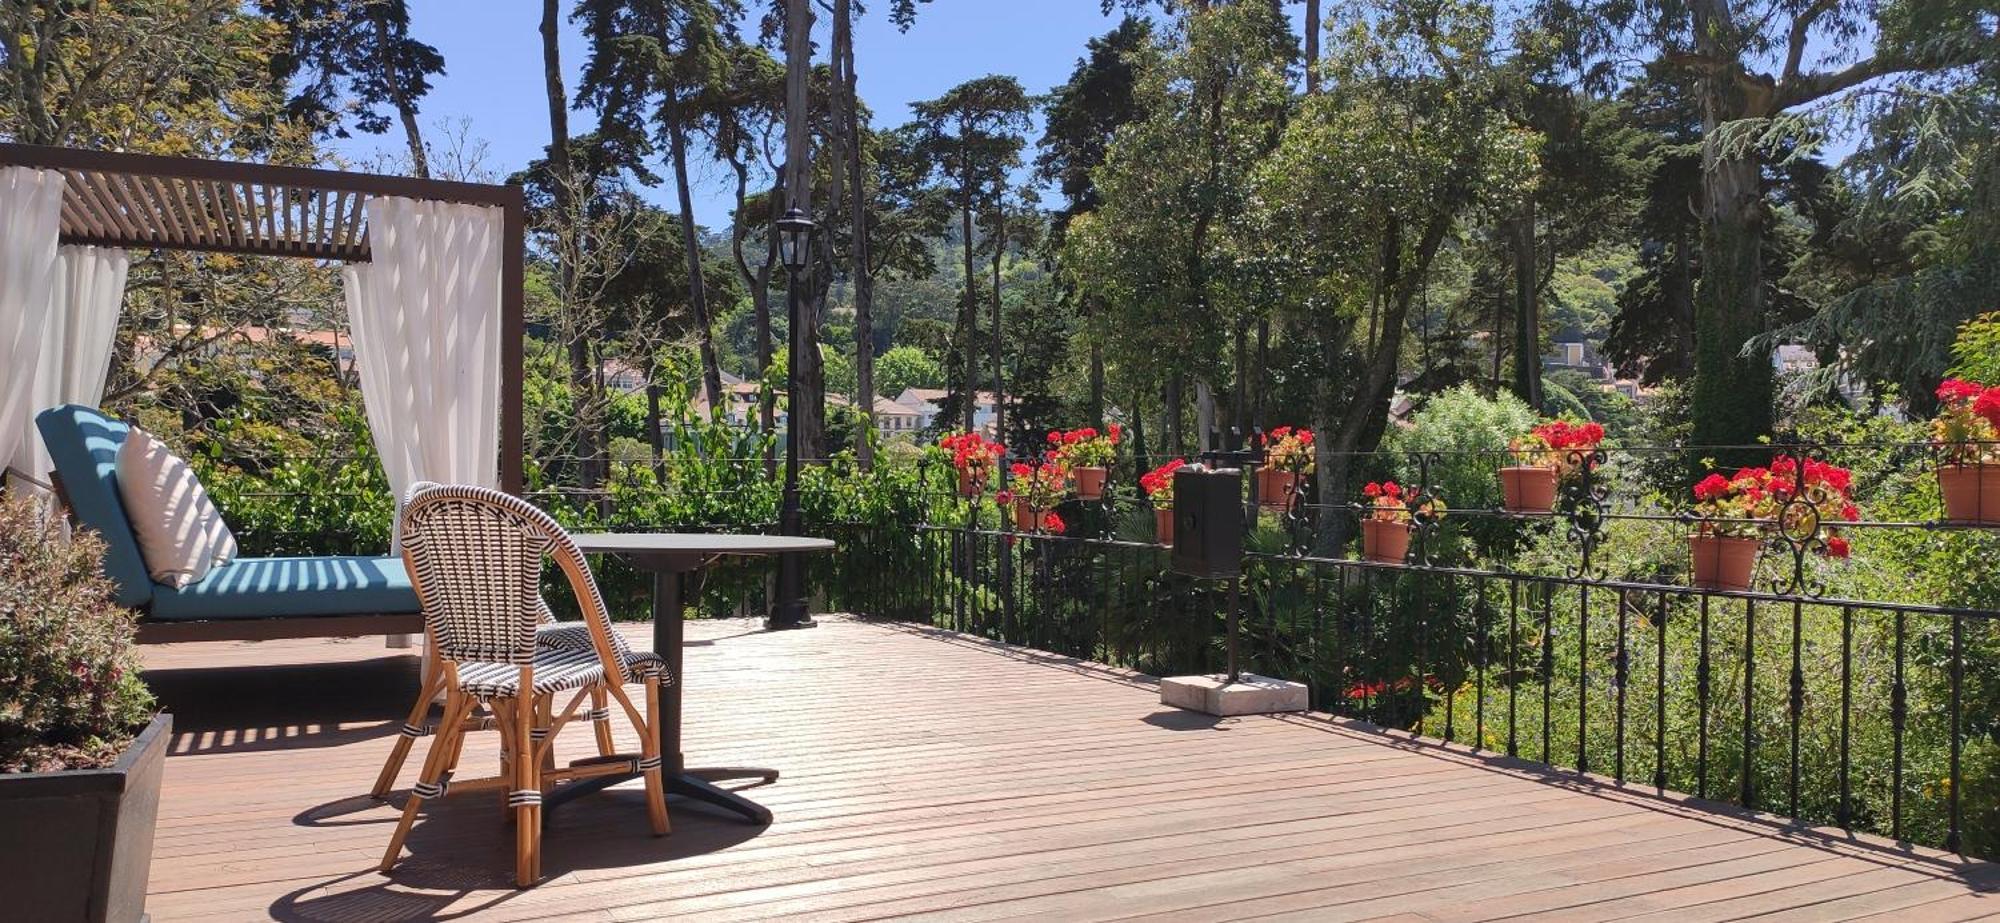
(1249, 695)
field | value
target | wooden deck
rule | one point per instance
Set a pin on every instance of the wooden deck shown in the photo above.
(932, 775)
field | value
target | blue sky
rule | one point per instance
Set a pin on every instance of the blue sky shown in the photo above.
(493, 70)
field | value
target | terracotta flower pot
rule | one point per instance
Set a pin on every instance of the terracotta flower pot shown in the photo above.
(1528, 488)
(1723, 562)
(1026, 518)
(969, 486)
(1089, 483)
(1163, 525)
(1276, 491)
(1971, 493)
(1385, 541)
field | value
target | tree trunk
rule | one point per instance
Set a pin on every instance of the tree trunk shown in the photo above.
(406, 108)
(1170, 412)
(861, 272)
(810, 402)
(767, 411)
(1140, 462)
(1731, 402)
(1527, 309)
(1257, 423)
(655, 433)
(1312, 46)
(1204, 416)
(1239, 399)
(999, 367)
(1680, 294)
(562, 181)
(968, 309)
(1357, 426)
(758, 282)
(1095, 411)
(1732, 393)
(711, 367)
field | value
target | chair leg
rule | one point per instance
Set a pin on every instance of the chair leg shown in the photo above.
(545, 719)
(527, 795)
(411, 730)
(457, 705)
(600, 719)
(649, 750)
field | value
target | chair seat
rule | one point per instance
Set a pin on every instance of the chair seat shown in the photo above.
(575, 636)
(250, 588)
(556, 670)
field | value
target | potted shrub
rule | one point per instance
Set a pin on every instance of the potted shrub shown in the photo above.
(1088, 454)
(1737, 512)
(1544, 457)
(81, 748)
(1967, 432)
(1288, 459)
(1386, 524)
(1159, 487)
(973, 457)
(1037, 490)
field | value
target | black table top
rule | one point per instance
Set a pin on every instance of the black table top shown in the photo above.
(696, 543)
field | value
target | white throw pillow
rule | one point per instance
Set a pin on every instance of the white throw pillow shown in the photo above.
(181, 534)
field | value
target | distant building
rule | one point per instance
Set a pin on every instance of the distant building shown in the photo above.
(924, 402)
(1794, 358)
(625, 378)
(895, 419)
(1571, 351)
(740, 403)
(213, 341)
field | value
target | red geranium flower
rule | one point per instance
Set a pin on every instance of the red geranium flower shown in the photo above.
(1987, 405)
(1711, 487)
(1953, 390)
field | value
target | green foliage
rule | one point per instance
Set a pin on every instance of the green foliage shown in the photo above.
(1976, 352)
(1459, 438)
(906, 367)
(306, 505)
(70, 695)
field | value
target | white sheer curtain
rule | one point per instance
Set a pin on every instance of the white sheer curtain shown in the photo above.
(89, 290)
(30, 220)
(425, 315)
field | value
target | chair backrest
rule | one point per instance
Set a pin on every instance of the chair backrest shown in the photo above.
(475, 555)
(83, 443)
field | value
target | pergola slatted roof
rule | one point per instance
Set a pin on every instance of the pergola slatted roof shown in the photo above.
(140, 200)
(145, 201)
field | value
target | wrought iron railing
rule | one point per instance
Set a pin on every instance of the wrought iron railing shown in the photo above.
(1516, 633)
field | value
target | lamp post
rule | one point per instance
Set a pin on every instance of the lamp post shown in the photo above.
(794, 230)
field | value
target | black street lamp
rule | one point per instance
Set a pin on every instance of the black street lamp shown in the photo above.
(794, 230)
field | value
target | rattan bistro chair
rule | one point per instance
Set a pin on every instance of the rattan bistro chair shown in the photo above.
(551, 634)
(475, 556)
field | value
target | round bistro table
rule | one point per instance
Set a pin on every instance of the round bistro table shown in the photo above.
(670, 557)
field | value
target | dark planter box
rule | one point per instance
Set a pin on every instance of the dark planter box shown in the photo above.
(78, 845)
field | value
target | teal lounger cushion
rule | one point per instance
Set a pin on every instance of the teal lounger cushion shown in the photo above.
(83, 443)
(250, 588)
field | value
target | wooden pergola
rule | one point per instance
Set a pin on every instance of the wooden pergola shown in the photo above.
(143, 201)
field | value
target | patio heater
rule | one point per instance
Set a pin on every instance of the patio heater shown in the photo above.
(795, 230)
(1208, 545)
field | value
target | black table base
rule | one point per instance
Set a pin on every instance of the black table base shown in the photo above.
(696, 784)
(668, 569)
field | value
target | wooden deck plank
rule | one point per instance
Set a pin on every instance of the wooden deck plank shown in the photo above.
(932, 775)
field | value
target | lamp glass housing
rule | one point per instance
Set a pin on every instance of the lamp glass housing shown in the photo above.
(795, 231)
